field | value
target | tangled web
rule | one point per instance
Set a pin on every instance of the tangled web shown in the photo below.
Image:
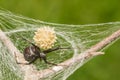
(78, 37)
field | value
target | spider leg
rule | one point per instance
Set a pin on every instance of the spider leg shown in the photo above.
(45, 60)
(27, 40)
(26, 62)
(17, 61)
(33, 60)
(40, 58)
(54, 49)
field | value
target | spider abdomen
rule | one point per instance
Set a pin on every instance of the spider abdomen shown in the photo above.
(31, 52)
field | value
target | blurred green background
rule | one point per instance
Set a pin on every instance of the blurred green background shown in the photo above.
(105, 67)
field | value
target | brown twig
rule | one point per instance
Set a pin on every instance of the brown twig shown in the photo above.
(33, 74)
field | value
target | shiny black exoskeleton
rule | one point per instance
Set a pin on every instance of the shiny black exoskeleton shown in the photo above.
(32, 53)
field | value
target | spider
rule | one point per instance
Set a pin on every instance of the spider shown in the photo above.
(33, 52)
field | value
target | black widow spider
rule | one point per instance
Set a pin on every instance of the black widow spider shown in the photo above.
(32, 53)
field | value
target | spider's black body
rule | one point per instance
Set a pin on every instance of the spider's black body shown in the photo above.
(31, 53)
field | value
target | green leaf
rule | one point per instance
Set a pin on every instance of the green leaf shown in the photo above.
(80, 37)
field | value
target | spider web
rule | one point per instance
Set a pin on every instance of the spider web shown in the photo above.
(79, 37)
